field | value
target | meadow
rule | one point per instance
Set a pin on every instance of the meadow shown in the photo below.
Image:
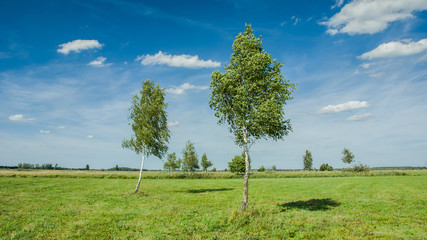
(283, 205)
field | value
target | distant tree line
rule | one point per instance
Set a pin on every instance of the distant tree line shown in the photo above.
(38, 166)
(189, 161)
(348, 158)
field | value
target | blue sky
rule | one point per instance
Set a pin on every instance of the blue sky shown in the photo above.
(68, 70)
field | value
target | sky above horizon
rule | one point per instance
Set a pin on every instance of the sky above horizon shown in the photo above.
(68, 70)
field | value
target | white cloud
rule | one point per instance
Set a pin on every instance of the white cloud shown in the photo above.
(186, 86)
(371, 16)
(44, 131)
(183, 60)
(78, 45)
(173, 124)
(89, 136)
(338, 3)
(396, 49)
(20, 118)
(99, 62)
(296, 20)
(60, 127)
(366, 65)
(343, 107)
(376, 75)
(359, 117)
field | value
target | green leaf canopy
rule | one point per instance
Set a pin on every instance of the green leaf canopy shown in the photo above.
(149, 121)
(251, 94)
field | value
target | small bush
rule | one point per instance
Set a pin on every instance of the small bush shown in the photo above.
(325, 167)
(357, 168)
(261, 169)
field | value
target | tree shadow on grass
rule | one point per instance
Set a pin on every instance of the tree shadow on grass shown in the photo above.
(311, 205)
(204, 190)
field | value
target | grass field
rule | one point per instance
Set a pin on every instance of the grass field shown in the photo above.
(49, 205)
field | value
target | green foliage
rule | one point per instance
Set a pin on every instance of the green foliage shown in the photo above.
(172, 163)
(190, 161)
(250, 96)
(273, 168)
(117, 167)
(213, 169)
(87, 167)
(308, 160)
(348, 156)
(238, 164)
(325, 167)
(149, 121)
(261, 169)
(36, 166)
(205, 163)
(357, 168)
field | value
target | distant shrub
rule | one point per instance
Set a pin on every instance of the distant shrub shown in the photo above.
(261, 169)
(237, 165)
(357, 168)
(213, 169)
(273, 168)
(325, 167)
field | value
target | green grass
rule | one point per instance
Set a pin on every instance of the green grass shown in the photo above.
(200, 175)
(359, 207)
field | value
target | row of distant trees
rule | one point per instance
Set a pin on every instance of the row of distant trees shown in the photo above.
(189, 161)
(348, 158)
(37, 166)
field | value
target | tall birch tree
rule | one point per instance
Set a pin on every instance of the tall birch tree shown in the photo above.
(250, 97)
(149, 124)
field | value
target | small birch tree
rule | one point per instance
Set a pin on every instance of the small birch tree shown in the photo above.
(205, 163)
(250, 97)
(348, 157)
(149, 124)
(190, 160)
(172, 163)
(308, 160)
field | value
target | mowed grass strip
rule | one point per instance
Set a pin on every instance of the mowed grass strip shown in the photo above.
(385, 207)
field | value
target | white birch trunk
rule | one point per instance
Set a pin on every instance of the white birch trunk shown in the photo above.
(140, 171)
(246, 178)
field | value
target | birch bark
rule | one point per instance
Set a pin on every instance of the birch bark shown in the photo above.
(246, 177)
(140, 171)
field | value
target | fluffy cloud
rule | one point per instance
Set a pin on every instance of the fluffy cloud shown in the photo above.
(99, 62)
(371, 16)
(343, 107)
(173, 124)
(396, 49)
(20, 118)
(44, 131)
(186, 86)
(183, 60)
(89, 136)
(78, 45)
